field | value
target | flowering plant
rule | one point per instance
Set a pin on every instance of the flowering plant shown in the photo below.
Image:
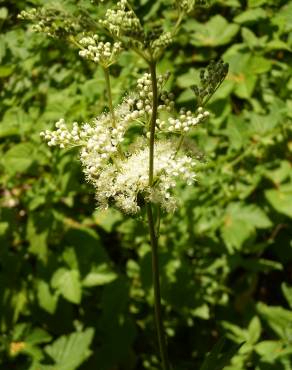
(146, 171)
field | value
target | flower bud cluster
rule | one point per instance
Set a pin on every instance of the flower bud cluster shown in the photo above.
(161, 43)
(143, 102)
(185, 121)
(100, 52)
(188, 5)
(53, 22)
(210, 79)
(62, 137)
(122, 21)
(124, 186)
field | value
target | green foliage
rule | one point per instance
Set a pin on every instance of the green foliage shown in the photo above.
(75, 283)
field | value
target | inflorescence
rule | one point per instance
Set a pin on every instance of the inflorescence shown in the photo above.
(122, 178)
(210, 80)
(53, 22)
(103, 53)
(119, 171)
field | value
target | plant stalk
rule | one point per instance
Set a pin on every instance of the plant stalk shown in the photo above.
(110, 104)
(153, 118)
(109, 95)
(151, 225)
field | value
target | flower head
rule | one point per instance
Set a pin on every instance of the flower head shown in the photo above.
(121, 177)
(103, 53)
(123, 184)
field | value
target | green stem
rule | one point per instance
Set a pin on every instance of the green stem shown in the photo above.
(151, 225)
(110, 104)
(153, 118)
(109, 95)
(178, 22)
(156, 285)
(181, 140)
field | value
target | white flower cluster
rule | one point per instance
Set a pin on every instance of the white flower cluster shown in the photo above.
(184, 122)
(99, 141)
(124, 185)
(122, 20)
(100, 52)
(122, 178)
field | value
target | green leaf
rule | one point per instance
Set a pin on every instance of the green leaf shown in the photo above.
(271, 350)
(254, 330)
(278, 318)
(107, 219)
(37, 336)
(216, 32)
(70, 351)
(261, 264)
(37, 234)
(5, 71)
(259, 64)
(99, 275)
(235, 333)
(47, 300)
(287, 291)
(19, 158)
(277, 44)
(250, 38)
(240, 223)
(280, 173)
(281, 199)
(251, 15)
(256, 3)
(3, 13)
(215, 360)
(67, 282)
(211, 359)
(4, 226)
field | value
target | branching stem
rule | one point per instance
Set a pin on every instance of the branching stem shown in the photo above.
(151, 225)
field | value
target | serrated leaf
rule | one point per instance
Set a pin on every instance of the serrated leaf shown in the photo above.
(254, 330)
(37, 336)
(70, 351)
(279, 174)
(240, 223)
(278, 318)
(271, 350)
(251, 15)
(215, 360)
(256, 3)
(287, 291)
(281, 199)
(216, 32)
(235, 333)
(99, 275)
(5, 71)
(67, 282)
(47, 300)
(19, 158)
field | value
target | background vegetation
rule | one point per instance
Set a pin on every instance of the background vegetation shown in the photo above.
(75, 283)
